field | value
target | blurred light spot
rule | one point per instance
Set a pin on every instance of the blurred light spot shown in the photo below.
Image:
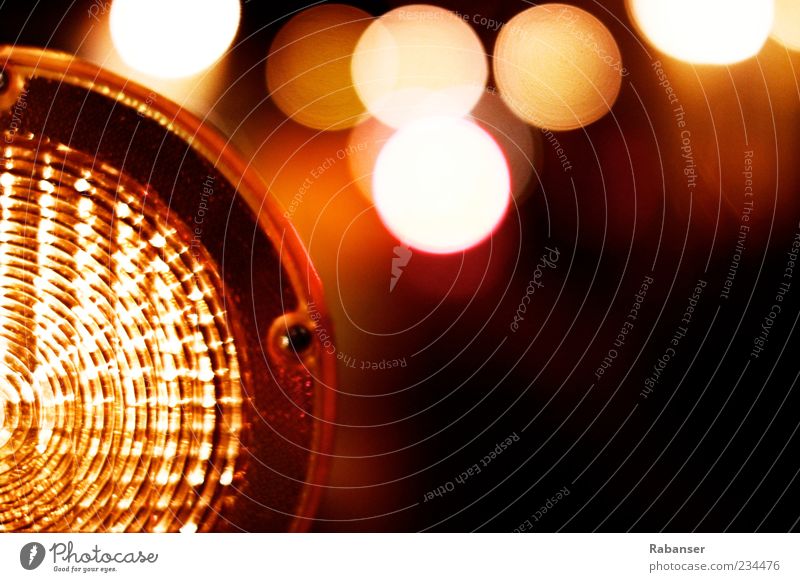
(308, 69)
(441, 184)
(418, 61)
(786, 29)
(227, 477)
(158, 241)
(717, 32)
(82, 185)
(521, 146)
(173, 38)
(557, 66)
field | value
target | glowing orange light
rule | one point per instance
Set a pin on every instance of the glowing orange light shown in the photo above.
(717, 32)
(419, 61)
(441, 184)
(557, 66)
(90, 283)
(308, 69)
(123, 353)
(173, 38)
(786, 29)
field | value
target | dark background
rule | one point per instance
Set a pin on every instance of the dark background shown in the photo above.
(713, 447)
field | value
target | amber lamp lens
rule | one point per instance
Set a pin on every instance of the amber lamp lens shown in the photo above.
(146, 380)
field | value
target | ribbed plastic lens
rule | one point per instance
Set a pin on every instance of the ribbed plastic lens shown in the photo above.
(120, 403)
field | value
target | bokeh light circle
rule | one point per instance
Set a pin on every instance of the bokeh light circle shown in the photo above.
(173, 38)
(441, 185)
(309, 67)
(717, 32)
(419, 61)
(786, 28)
(557, 66)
